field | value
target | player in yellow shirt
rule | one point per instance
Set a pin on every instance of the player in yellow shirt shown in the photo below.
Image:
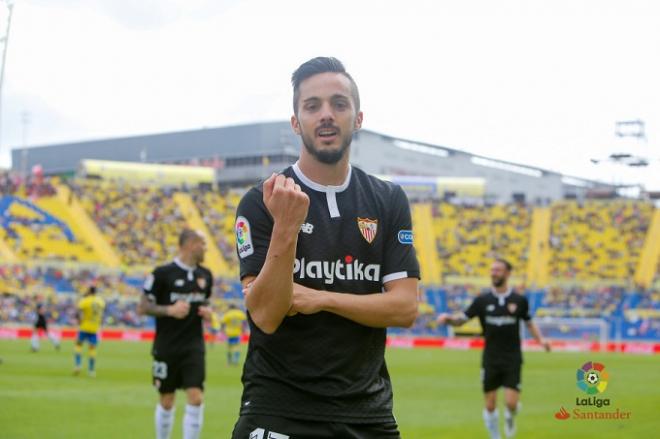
(233, 322)
(214, 327)
(90, 316)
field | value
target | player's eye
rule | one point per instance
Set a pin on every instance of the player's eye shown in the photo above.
(341, 105)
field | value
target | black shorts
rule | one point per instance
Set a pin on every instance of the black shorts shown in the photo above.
(274, 427)
(501, 375)
(180, 371)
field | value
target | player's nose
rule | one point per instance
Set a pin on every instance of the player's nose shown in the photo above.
(326, 113)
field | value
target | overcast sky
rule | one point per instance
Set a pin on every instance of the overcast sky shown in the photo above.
(535, 82)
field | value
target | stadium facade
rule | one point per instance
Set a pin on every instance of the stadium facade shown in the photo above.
(242, 154)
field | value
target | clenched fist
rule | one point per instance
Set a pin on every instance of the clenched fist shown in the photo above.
(286, 201)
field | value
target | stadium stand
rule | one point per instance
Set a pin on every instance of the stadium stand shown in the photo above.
(590, 252)
(597, 240)
(142, 223)
(469, 237)
(36, 226)
(217, 211)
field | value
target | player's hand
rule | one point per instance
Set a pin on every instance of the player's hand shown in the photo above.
(205, 312)
(442, 319)
(179, 310)
(305, 300)
(246, 289)
(286, 201)
(546, 345)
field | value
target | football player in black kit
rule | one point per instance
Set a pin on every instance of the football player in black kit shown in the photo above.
(500, 312)
(177, 294)
(327, 264)
(41, 327)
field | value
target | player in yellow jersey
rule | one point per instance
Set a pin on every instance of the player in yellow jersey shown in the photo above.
(214, 327)
(233, 322)
(90, 316)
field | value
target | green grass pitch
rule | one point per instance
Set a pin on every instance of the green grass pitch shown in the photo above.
(437, 394)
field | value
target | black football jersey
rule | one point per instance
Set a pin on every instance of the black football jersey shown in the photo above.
(165, 286)
(500, 317)
(41, 321)
(356, 237)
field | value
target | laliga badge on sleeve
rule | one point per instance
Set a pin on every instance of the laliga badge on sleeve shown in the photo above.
(244, 237)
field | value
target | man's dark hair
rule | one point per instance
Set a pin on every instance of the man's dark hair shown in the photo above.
(187, 235)
(506, 263)
(91, 289)
(315, 66)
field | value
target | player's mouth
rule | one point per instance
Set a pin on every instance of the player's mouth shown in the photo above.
(327, 134)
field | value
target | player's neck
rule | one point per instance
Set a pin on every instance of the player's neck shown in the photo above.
(186, 260)
(504, 289)
(324, 174)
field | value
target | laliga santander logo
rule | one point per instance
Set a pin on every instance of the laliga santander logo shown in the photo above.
(241, 232)
(592, 378)
(243, 237)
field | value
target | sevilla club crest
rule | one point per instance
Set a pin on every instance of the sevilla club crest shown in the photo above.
(368, 228)
(201, 281)
(512, 307)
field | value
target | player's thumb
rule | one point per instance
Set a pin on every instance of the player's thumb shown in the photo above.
(268, 186)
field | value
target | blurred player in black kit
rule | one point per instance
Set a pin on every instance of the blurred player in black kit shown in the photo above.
(177, 294)
(41, 328)
(500, 312)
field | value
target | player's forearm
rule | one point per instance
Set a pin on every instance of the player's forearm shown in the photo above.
(534, 330)
(152, 309)
(270, 294)
(378, 310)
(457, 319)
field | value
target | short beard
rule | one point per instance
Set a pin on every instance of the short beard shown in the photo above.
(327, 157)
(498, 282)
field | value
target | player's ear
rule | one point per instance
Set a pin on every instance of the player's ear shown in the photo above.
(358, 120)
(295, 125)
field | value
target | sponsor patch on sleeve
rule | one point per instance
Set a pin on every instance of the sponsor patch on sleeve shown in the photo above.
(148, 283)
(243, 237)
(405, 237)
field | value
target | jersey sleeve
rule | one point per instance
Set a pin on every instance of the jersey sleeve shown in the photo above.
(253, 229)
(209, 287)
(153, 285)
(524, 309)
(474, 308)
(400, 258)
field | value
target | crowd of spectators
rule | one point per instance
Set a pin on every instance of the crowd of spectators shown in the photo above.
(468, 237)
(34, 185)
(577, 301)
(32, 234)
(217, 212)
(62, 311)
(142, 223)
(597, 239)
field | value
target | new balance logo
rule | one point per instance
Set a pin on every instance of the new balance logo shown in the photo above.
(307, 228)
